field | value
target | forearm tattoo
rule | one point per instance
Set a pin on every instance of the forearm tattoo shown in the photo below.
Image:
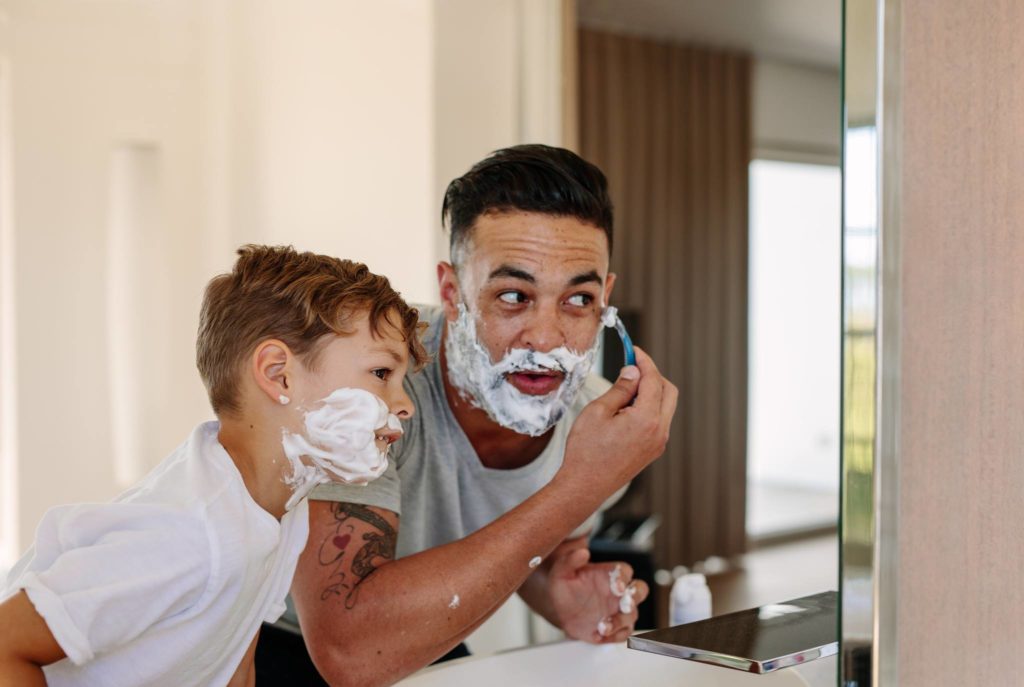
(338, 551)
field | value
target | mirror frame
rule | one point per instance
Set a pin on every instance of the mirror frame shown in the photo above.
(872, 77)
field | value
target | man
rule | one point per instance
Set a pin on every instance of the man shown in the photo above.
(501, 471)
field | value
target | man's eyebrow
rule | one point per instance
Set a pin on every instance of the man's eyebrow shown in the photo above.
(585, 278)
(514, 272)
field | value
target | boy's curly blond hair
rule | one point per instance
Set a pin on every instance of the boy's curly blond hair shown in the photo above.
(275, 292)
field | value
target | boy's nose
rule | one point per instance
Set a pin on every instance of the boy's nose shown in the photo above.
(401, 405)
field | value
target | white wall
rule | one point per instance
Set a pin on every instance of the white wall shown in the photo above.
(329, 134)
(310, 123)
(87, 77)
(153, 137)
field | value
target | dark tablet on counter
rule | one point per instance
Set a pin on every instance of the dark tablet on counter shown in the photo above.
(758, 640)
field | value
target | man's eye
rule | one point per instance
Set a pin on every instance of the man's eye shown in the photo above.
(382, 373)
(512, 297)
(581, 300)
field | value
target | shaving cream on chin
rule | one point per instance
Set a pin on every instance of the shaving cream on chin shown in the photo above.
(484, 384)
(338, 442)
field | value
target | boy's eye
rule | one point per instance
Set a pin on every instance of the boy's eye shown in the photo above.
(580, 300)
(381, 373)
(512, 297)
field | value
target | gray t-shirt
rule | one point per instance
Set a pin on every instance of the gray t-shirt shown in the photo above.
(436, 481)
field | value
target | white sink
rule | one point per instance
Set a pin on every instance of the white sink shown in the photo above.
(568, 664)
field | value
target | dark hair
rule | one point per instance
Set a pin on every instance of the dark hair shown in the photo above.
(530, 178)
(275, 292)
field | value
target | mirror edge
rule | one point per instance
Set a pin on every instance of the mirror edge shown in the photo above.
(871, 345)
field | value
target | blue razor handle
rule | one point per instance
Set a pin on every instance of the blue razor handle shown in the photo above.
(627, 343)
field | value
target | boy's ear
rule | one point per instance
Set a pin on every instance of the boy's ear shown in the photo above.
(448, 284)
(271, 369)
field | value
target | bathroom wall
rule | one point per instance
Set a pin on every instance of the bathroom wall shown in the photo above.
(958, 538)
(148, 139)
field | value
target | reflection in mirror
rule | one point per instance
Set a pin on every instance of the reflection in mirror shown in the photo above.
(337, 129)
(718, 125)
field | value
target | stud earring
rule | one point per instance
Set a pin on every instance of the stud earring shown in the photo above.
(284, 400)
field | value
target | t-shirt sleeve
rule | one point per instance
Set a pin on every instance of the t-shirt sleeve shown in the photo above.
(384, 492)
(102, 574)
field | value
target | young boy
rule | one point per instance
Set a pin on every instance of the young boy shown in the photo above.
(303, 357)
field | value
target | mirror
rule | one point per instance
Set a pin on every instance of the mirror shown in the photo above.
(870, 340)
(151, 139)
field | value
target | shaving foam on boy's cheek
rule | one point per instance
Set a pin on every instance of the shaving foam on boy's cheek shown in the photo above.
(484, 383)
(338, 442)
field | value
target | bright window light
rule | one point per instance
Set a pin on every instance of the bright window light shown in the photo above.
(794, 364)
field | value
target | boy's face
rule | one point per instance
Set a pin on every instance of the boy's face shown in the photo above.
(361, 360)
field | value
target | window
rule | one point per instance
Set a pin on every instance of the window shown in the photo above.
(794, 357)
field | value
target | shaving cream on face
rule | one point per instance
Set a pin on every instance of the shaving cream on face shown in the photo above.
(608, 315)
(535, 561)
(454, 602)
(483, 383)
(338, 442)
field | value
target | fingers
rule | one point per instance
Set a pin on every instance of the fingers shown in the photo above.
(568, 564)
(669, 398)
(616, 628)
(658, 398)
(649, 392)
(622, 392)
(620, 575)
(642, 591)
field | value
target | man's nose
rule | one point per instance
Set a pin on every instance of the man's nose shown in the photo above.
(544, 330)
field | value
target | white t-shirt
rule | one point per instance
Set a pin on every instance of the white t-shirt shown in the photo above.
(169, 583)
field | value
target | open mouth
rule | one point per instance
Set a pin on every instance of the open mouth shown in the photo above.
(385, 437)
(535, 382)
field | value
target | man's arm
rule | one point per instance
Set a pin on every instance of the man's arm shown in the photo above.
(26, 643)
(368, 619)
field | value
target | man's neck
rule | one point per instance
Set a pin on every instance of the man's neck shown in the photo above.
(262, 471)
(497, 447)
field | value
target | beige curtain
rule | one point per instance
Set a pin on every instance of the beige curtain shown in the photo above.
(670, 126)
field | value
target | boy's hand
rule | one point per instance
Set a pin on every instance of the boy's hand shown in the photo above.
(611, 441)
(26, 643)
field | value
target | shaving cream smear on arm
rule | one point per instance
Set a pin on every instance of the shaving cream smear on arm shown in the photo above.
(338, 442)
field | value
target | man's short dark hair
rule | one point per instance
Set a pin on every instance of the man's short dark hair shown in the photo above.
(527, 178)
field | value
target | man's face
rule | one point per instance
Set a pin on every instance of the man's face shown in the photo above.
(531, 282)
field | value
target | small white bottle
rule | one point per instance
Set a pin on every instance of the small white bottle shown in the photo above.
(691, 599)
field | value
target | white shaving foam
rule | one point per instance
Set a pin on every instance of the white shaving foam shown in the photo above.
(603, 628)
(609, 315)
(535, 561)
(615, 580)
(338, 442)
(625, 594)
(484, 384)
(455, 602)
(627, 602)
